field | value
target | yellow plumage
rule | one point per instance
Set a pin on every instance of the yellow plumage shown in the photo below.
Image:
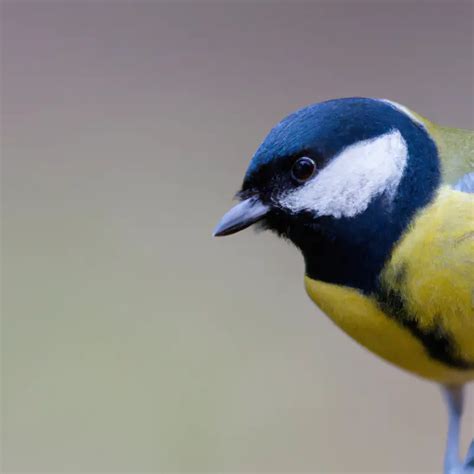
(455, 147)
(436, 256)
(456, 150)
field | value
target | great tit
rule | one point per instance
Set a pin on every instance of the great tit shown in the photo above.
(380, 201)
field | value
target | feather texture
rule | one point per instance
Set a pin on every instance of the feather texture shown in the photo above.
(465, 184)
(422, 316)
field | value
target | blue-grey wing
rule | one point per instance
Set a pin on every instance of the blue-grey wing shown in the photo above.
(466, 183)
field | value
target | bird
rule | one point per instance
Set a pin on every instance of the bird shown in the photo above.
(380, 202)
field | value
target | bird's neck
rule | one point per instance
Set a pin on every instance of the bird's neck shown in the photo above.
(354, 264)
(352, 251)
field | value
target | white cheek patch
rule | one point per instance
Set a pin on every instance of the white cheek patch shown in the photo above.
(356, 176)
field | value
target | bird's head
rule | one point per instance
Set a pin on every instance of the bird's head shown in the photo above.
(340, 179)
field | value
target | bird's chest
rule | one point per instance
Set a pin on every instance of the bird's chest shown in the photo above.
(362, 319)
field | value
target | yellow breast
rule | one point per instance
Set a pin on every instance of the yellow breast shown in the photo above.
(432, 269)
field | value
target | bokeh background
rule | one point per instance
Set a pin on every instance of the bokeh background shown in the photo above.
(134, 342)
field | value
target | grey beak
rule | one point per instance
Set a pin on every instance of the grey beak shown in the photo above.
(241, 216)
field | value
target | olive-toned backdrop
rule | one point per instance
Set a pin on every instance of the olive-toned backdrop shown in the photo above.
(131, 340)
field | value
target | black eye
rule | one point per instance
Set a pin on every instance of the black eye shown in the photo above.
(303, 168)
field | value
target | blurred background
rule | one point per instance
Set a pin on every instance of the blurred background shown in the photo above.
(132, 341)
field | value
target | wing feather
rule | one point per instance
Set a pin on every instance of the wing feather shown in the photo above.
(465, 184)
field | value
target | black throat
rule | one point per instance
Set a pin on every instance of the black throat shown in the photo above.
(348, 251)
(345, 251)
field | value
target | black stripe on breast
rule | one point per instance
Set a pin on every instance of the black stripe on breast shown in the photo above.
(436, 340)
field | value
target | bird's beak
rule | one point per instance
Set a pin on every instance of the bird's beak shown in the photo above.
(241, 216)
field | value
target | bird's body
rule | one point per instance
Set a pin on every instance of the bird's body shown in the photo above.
(380, 201)
(421, 316)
